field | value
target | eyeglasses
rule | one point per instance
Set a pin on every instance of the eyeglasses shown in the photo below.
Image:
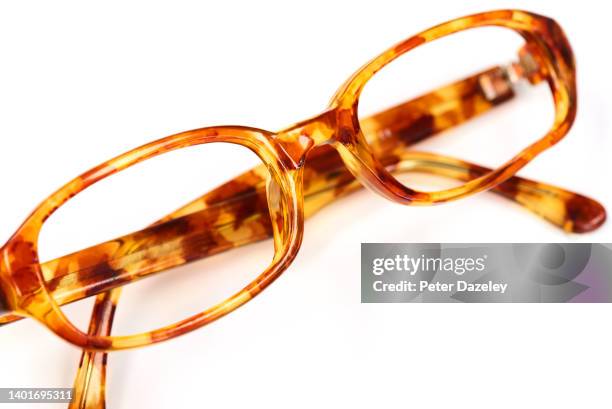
(303, 168)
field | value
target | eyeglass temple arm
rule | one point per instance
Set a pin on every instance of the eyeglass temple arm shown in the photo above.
(90, 381)
(225, 217)
(391, 132)
(191, 233)
(408, 123)
(202, 229)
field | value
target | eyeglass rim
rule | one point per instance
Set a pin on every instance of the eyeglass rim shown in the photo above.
(277, 157)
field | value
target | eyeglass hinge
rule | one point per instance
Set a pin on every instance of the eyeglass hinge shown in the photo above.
(497, 84)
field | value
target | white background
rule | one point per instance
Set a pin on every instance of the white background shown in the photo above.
(81, 83)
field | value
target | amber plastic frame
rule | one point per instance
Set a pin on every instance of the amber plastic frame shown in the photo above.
(284, 154)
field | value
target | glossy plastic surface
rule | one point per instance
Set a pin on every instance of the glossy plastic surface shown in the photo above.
(308, 165)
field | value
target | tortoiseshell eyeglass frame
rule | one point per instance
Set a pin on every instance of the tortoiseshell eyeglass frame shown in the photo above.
(304, 167)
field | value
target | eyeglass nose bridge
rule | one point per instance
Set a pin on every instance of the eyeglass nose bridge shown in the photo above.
(336, 127)
(299, 139)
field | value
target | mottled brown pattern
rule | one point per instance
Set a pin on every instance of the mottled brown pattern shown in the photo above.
(449, 106)
(583, 214)
(90, 381)
(273, 199)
